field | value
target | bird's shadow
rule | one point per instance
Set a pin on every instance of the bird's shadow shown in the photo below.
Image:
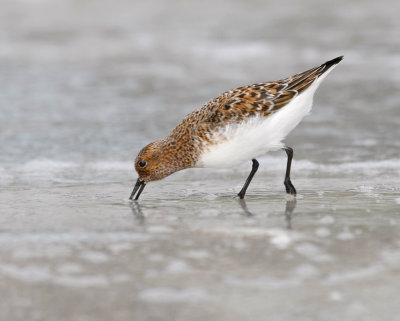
(288, 211)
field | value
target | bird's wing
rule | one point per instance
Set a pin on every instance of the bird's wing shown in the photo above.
(261, 99)
(237, 105)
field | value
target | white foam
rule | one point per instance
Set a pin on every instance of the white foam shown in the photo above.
(120, 247)
(177, 267)
(327, 220)
(159, 229)
(347, 276)
(345, 236)
(265, 282)
(281, 238)
(46, 165)
(111, 165)
(367, 167)
(49, 165)
(100, 238)
(313, 253)
(171, 295)
(322, 232)
(29, 273)
(37, 251)
(335, 296)
(197, 254)
(306, 271)
(94, 256)
(45, 170)
(69, 268)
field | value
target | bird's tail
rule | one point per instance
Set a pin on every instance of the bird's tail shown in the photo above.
(302, 81)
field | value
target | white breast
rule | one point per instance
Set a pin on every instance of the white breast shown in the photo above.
(238, 143)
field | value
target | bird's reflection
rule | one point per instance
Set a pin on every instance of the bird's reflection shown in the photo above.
(289, 209)
(288, 212)
(137, 212)
(243, 205)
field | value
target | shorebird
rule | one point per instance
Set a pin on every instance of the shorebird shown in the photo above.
(236, 126)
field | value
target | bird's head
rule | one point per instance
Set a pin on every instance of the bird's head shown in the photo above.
(155, 161)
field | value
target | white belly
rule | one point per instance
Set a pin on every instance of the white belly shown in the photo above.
(238, 143)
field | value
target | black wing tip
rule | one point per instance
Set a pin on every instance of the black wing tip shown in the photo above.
(332, 62)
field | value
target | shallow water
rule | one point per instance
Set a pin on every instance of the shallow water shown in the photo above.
(85, 85)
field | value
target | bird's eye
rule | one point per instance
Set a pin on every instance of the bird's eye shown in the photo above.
(142, 164)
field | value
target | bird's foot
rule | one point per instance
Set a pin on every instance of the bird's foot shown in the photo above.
(290, 188)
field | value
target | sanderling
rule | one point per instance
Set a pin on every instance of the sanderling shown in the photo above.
(237, 126)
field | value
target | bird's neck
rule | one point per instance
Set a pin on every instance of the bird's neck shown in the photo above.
(180, 151)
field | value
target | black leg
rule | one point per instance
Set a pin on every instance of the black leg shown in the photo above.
(288, 184)
(248, 180)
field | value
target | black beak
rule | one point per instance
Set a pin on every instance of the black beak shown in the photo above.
(138, 186)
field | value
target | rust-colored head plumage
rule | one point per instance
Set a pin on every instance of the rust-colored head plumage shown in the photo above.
(151, 165)
(159, 159)
(164, 157)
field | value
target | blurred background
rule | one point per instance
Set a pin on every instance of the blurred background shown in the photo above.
(84, 85)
